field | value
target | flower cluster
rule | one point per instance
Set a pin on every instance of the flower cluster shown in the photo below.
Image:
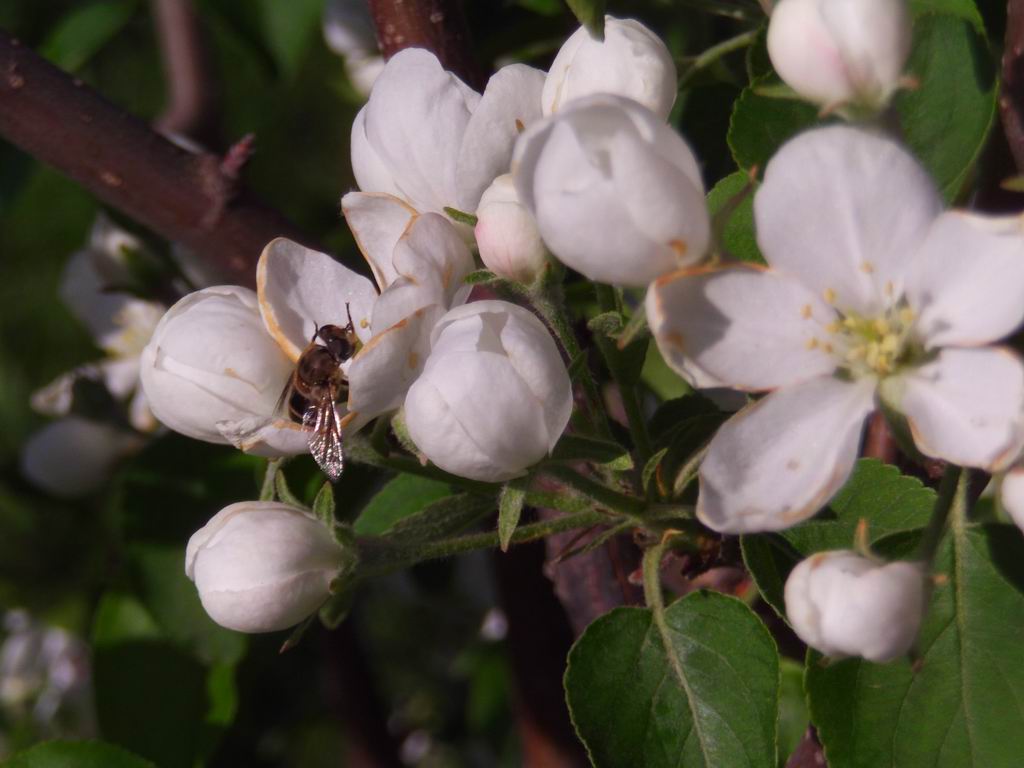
(873, 297)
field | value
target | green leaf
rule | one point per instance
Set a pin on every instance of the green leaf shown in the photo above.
(946, 119)
(761, 124)
(158, 572)
(707, 698)
(152, 696)
(590, 14)
(398, 499)
(581, 448)
(84, 31)
(960, 705)
(737, 231)
(445, 517)
(461, 216)
(890, 502)
(76, 754)
(480, 277)
(510, 507)
(284, 492)
(793, 715)
(323, 505)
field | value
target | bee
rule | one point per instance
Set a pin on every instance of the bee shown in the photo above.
(316, 386)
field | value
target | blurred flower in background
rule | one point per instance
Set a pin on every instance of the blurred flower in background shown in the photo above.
(45, 681)
(348, 31)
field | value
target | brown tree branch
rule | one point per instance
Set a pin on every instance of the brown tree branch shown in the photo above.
(193, 107)
(1011, 97)
(437, 25)
(181, 196)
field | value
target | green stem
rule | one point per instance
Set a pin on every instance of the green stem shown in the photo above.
(268, 490)
(599, 493)
(609, 300)
(652, 578)
(378, 556)
(952, 489)
(550, 306)
(716, 52)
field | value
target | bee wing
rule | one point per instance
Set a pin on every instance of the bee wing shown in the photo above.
(325, 438)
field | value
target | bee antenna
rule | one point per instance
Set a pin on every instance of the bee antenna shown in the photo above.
(316, 331)
(348, 311)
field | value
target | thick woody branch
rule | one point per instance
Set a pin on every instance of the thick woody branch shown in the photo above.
(184, 197)
(437, 25)
(1011, 98)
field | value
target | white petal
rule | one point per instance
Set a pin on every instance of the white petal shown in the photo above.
(631, 61)
(74, 456)
(967, 283)
(742, 327)
(844, 210)
(432, 262)
(873, 38)
(1011, 494)
(415, 121)
(371, 172)
(377, 221)
(382, 371)
(966, 407)
(667, 206)
(510, 102)
(272, 437)
(805, 53)
(780, 461)
(301, 289)
(84, 290)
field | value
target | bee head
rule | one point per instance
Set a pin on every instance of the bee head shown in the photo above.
(340, 342)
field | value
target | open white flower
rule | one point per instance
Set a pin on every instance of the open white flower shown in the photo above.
(262, 566)
(843, 604)
(431, 141)
(873, 294)
(837, 52)
(617, 194)
(631, 61)
(220, 359)
(93, 288)
(494, 396)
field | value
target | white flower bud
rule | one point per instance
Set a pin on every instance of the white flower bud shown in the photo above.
(73, 457)
(261, 566)
(506, 234)
(616, 193)
(843, 604)
(631, 61)
(494, 395)
(834, 52)
(211, 360)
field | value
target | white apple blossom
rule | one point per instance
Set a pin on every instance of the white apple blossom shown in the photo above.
(843, 604)
(430, 141)
(220, 359)
(262, 566)
(349, 32)
(873, 294)
(494, 396)
(506, 234)
(74, 456)
(616, 193)
(631, 61)
(211, 360)
(839, 52)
